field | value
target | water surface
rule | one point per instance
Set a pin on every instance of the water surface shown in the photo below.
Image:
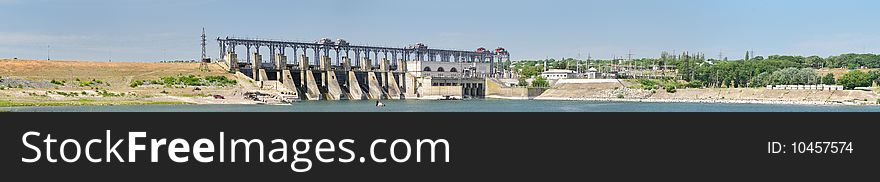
(461, 106)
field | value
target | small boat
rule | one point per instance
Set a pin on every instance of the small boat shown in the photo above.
(380, 104)
(448, 97)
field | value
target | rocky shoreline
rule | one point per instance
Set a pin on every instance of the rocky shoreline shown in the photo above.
(711, 101)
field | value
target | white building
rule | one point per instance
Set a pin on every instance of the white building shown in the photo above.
(447, 69)
(558, 74)
(592, 73)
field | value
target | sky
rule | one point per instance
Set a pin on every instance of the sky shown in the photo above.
(155, 30)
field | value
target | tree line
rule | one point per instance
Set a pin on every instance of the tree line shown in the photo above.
(775, 70)
(752, 71)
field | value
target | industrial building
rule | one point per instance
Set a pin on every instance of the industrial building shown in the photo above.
(337, 70)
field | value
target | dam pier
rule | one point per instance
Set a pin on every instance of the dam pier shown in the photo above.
(338, 70)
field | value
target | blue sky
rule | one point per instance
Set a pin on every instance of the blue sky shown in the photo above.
(140, 30)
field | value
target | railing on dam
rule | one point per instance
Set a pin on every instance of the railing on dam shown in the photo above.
(417, 52)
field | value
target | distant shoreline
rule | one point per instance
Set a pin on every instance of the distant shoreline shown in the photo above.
(708, 101)
(705, 101)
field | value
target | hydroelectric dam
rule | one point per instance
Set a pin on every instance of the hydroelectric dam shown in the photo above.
(338, 70)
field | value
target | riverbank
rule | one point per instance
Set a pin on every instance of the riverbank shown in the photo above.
(87, 83)
(86, 102)
(26, 83)
(705, 101)
(621, 93)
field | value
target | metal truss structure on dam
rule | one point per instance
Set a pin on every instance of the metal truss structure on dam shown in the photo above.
(417, 52)
(364, 78)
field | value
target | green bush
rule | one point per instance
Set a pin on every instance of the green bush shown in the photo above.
(105, 93)
(56, 82)
(192, 80)
(540, 82)
(855, 79)
(874, 75)
(136, 83)
(828, 79)
(522, 82)
(37, 95)
(220, 80)
(93, 82)
(669, 88)
(648, 84)
(695, 84)
(66, 94)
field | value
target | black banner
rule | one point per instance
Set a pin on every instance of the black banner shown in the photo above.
(481, 146)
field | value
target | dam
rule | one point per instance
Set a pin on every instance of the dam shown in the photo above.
(337, 70)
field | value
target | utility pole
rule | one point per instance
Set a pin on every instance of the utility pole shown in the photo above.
(203, 62)
(545, 65)
(589, 57)
(48, 55)
(629, 56)
(204, 40)
(578, 65)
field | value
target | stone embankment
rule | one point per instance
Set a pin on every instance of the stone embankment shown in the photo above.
(619, 91)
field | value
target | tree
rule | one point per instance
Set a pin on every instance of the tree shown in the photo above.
(540, 82)
(522, 82)
(874, 75)
(813, 61)
(855, 79)
(829, 79)
(763, 79)
(794, 76)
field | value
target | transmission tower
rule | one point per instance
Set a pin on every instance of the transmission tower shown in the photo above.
(203, 66)
(629, 57)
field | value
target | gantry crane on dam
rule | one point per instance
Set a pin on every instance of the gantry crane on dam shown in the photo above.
(394, 76)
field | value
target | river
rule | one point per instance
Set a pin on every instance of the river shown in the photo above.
(460, 106)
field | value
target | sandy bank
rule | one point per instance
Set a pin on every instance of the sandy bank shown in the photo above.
(617, 93)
